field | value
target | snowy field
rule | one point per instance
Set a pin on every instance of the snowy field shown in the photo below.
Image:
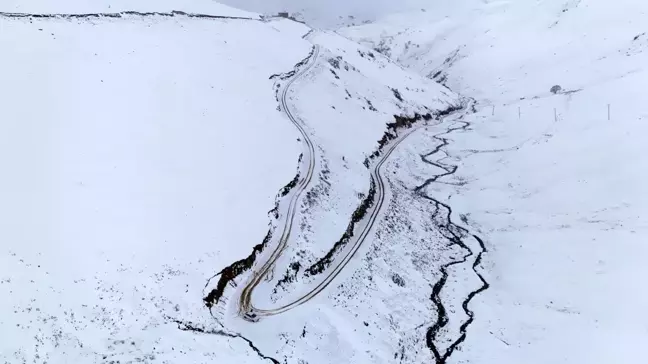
(553, 182)
(145, 153)
(132, 153)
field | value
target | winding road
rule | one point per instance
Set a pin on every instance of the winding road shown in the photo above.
(245, 306)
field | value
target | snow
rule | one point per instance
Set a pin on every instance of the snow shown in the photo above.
(549, 181)
(333, 101)
(369, 81)
(331, 14)
(145, 153)
(114, 6)
(133, 151)
(142, 155)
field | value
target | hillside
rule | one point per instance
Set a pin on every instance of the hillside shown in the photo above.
(147, 149)
(115, 6)
(552, 181)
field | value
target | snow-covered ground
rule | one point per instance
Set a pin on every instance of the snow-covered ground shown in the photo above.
(114, 6)
(552, 182)
(140, 155)
(345, 102)
(334, 13)
(143, 154)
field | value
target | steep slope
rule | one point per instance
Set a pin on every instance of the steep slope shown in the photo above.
(550, 180)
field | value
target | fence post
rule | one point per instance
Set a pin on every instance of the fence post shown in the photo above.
(555, 115)
(608, 112)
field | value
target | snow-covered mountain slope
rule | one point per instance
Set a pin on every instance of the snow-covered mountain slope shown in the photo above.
(115, 6)
(142, 153)
(513, 50)
(553, 182)
(132, 150)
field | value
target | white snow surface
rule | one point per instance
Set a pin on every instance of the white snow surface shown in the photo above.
(140, 156)
(334, 100)
(209, 7)
(333, 13)
(553, 183)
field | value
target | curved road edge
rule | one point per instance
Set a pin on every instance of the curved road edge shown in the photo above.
(214, 293)
(250, 312)
(245, 307)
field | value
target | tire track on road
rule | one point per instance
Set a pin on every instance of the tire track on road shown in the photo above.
(231, 272)
(394, 137)
(246, 309)
(377, 184)
(376, 180)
